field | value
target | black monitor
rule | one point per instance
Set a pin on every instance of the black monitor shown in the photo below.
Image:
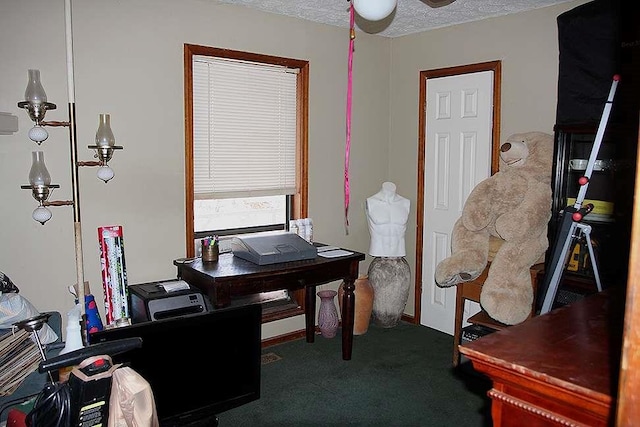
(197, 365)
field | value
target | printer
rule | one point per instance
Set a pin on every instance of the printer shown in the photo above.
(165, 299)
(272, 247)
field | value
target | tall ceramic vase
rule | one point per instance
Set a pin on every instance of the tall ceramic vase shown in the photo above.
(363, 294)
(328, 314)
(390, 278)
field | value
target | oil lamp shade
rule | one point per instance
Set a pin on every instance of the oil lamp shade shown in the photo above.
(104, 135)
(38, 175)
(35, 93)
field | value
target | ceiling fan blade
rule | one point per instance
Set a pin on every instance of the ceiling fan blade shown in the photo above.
(437, 3)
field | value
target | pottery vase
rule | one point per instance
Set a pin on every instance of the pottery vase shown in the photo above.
(390, 278)
(328, 314)
(364, 295)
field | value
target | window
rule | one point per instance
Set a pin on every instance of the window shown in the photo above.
(245, 142)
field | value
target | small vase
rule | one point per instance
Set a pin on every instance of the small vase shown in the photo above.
(328, 314)
(363, 294)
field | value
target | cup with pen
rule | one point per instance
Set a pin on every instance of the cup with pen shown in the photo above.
(210, 249)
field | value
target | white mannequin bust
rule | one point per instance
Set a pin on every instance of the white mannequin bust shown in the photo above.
(387, 215)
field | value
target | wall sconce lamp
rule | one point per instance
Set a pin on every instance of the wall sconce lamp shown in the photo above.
(39, 179)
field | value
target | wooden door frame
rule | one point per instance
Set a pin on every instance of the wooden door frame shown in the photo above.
(496, 67)
(627, 409)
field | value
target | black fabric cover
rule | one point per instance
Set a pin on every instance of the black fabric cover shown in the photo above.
(589, 56)
(6, 285)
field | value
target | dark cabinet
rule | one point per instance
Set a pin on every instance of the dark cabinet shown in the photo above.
(596, 41)
(610, 190)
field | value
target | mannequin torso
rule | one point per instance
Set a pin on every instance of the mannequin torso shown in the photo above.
(387, 215)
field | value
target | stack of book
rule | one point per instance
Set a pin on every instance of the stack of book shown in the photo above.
(19, 356)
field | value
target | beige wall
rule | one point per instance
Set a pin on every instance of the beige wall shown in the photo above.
(128, 63)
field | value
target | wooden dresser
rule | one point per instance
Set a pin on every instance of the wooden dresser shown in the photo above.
(560, 368)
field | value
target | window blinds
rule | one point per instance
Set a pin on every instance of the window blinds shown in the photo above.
(244, 129)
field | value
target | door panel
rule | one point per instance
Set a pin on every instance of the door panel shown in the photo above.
(458, 148)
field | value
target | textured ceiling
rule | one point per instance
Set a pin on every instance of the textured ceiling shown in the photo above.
(410, 16)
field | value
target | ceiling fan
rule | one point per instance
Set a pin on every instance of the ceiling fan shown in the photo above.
(437, 3)
(375, 10)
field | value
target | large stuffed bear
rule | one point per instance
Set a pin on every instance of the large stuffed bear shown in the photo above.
(513, 207)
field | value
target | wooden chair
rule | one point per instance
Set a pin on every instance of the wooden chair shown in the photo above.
(471, 291)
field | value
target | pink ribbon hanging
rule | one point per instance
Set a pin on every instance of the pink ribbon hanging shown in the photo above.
(352, 36)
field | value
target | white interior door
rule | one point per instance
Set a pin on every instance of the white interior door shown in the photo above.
(458, 144)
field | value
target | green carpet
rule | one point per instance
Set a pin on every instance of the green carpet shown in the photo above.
(400, 376)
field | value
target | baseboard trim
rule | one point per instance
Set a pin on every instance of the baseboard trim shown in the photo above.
(296, 335)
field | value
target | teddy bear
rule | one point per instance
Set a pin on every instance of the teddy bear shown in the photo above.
(511, 208)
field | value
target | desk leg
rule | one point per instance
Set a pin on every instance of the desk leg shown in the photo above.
(310, 312)
(348, 309)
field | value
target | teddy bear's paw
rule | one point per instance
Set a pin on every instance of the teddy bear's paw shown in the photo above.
(449, 281)
(506, 305)
(446, 277)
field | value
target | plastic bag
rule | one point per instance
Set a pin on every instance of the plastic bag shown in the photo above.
(131, 403)
(14, 308)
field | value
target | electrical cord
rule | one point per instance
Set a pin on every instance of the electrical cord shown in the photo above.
(52, 407)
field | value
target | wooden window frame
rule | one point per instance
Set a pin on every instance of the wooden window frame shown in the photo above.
(299, 206)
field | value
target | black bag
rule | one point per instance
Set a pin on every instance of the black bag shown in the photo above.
(589, 56)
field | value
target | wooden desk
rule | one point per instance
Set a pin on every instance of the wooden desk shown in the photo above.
(560, 368)
(233, 277)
